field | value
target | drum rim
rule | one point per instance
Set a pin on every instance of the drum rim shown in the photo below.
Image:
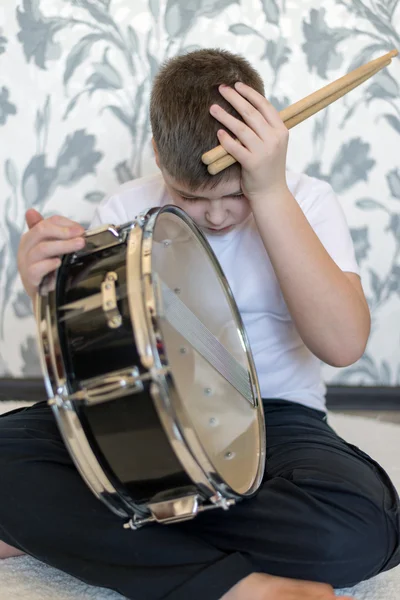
(201, 457)
(56, 385)
(142, 326)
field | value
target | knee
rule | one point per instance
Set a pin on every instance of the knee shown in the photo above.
(355, 544)
(356, 510)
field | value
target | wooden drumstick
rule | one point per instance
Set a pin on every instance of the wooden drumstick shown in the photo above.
(218, 159)
(291, 119)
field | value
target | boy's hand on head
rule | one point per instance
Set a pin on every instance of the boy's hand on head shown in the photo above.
(261, 144)
(42, 246)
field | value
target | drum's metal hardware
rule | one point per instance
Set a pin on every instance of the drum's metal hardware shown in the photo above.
(115, 384)
(136, 262)
(213, 422)
(108, 387)
(109, 296)
(61, 400)
(177, 291)
(136, 523)
(50, 349)
(219, 501)
(108, 229)
(181, 509)
(176, 511)
(208, 391)
(141, 219)
(229, 455)
(183, 350)
(167, 243)
(85, 305)
(105, 236)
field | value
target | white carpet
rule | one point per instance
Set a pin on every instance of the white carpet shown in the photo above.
(27, 578)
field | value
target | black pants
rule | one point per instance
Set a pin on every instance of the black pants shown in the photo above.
(326, 512)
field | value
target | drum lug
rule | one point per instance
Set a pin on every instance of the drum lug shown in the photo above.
(172, 511)
(100, 238)
(113, 385)
(104, 388)
(178, 510)
(109, 299)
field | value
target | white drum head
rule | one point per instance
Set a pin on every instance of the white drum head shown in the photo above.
(208, 353)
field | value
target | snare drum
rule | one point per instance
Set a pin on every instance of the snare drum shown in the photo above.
(149, 372)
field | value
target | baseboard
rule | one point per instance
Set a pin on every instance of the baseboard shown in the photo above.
(338, 397)
(24, 388)
(363, 398)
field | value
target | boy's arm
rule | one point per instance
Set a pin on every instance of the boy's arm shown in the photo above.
(327, 305)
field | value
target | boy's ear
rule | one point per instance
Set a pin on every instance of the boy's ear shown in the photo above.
(156, 155)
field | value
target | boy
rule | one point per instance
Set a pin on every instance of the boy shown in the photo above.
(326, 512)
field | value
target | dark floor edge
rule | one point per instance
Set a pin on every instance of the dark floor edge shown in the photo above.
(338, 397)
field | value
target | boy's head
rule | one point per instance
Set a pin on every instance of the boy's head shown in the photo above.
(183, 128)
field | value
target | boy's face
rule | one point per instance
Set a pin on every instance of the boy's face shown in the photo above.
(217, 210)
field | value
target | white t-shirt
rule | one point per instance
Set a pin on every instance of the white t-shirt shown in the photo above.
(285, 366)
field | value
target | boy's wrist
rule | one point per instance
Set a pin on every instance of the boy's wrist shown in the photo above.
(272, 194)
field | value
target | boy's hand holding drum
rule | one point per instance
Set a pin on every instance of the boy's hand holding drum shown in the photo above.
(261, 141)
(42, 246)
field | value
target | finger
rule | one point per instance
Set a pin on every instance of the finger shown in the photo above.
(247, 136)
(234, 147)
(51, 249)
(268, 111)
(47, 230)
(32, 217)
(250, 113)
(65, 222)
(41, 269)
(251, 116)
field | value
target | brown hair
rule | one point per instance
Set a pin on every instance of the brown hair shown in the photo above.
(183, 128)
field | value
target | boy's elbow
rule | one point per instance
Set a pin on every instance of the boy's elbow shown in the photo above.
(349, 353)
(346, 359)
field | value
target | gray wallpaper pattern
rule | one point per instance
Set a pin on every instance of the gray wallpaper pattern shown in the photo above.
(75, 77)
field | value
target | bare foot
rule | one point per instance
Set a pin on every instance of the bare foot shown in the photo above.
(7, 551)
(267, 587)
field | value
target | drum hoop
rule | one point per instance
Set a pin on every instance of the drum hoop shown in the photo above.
(181, 416)
(140, 298)
(67, 418)
(49, 342)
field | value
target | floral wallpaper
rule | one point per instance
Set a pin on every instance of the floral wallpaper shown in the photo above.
(75, 78)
